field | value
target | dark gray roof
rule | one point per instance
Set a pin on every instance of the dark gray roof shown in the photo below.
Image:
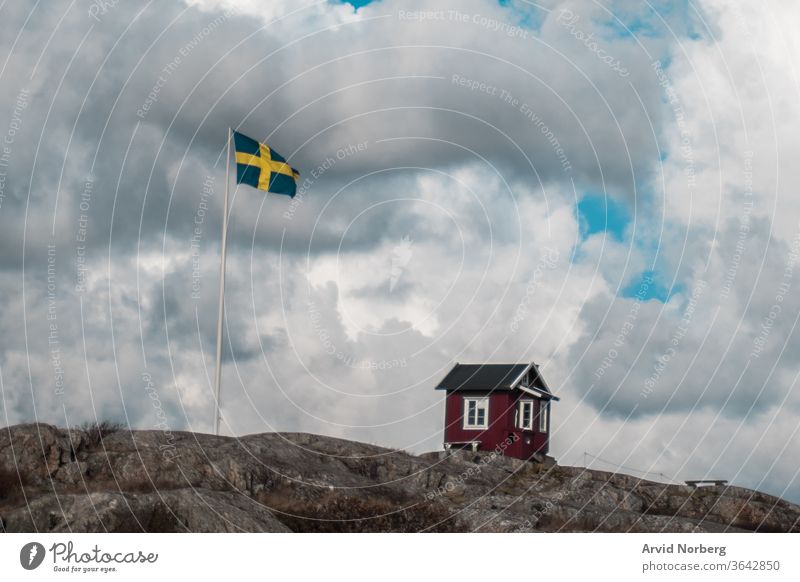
(486, 377)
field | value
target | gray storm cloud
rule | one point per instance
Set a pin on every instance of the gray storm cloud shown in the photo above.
(471, 128)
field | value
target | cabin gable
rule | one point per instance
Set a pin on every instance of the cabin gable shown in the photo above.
(497, 407)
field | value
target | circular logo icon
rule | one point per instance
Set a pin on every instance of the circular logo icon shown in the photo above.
(31, 555)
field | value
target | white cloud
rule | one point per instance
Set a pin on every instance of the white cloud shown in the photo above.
(473, 182)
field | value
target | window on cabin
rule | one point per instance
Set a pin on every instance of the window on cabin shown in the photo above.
(476, 412)
(525, 415)
(544, 416)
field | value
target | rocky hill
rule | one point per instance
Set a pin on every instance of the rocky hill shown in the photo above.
(102, 479)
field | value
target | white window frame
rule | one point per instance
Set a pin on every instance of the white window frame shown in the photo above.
(481, 402)
(544, 415)
(521, 414)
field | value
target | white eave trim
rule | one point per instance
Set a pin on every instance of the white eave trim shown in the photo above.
(521, 376)
(538, 393)
(543, 380)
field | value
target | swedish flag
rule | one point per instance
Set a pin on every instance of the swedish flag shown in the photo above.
(261, 167)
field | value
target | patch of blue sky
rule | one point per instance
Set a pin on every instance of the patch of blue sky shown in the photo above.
(645, 286)
(658, 280)
(355, 3)
(524, 14)
(601, 213)
(651, 284)
(662, 18)
(598, 214)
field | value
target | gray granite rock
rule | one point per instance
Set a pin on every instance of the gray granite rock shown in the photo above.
(57, 480)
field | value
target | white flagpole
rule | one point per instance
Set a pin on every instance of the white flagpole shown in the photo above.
(221, 313)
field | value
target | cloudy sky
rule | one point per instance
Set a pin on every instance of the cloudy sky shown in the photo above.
(606, 188)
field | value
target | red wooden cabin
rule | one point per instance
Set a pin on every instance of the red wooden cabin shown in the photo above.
(497, 407)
